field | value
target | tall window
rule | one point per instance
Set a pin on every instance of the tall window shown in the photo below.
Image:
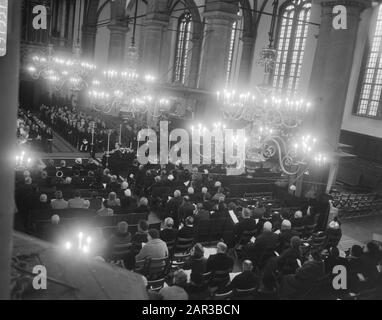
(291, 41)
(371, 87)
(183, 44)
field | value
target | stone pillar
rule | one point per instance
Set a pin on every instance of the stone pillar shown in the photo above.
(62, 40)
(246, 61)
(117, 44)
(331, 71)
(156, 23)
(89, 35)
(220, 17)
(118, 29)
(195, 61)
(9, 87)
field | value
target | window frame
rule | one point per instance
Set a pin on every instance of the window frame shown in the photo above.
(298, 9)
(361, 78)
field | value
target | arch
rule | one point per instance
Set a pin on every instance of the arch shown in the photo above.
(197, 26)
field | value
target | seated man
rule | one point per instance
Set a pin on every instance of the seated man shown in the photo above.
(176, 291)
(304, 278)
(155, 247)
(201, 213)
(105, 211)
(246, 224)
(77, 202)
(121, 236)
(168, 234)
(197, 262)
(220, 262)
(245, 280)
(59, 202)
(285, 235)
(188, 231)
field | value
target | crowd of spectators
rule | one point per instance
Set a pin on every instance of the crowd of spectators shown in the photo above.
(270, 248)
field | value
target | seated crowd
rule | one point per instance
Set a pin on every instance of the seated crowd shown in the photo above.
(280, 254)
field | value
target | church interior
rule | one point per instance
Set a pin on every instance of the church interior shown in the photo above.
(191, 150)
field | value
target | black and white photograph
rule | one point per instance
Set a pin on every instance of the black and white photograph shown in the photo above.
(208, 152)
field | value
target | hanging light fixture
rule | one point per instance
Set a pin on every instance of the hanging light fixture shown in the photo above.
(60, 70)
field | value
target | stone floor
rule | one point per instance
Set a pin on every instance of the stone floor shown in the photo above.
(360, 231)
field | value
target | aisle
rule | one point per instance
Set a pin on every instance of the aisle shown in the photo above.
(61, 145)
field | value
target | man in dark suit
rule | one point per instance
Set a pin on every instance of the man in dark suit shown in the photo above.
(186, 209)
(246, 224)
(220, 262)
(286, 234)
(168, 234)
(201, 213)
(188, 231)
(247, 279)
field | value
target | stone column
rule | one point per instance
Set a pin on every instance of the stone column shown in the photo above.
(89, 35)
(246, 61)
(220, 17)
(156, 22)
(118, 29)
(331, 71)
(195, 61)
(9, 87)
(62, 40)
(117, 44)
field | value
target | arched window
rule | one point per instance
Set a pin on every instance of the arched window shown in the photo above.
(291, 41)
(371, 85)
(183, 44)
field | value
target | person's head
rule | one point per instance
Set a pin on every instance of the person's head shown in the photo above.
(105, 204)
(153, 234)
(63, 163)
(26, 174)
(112, 196)
(356, 251)
(334, 225)
(334, 252)
(78, 161)
(204, 190)
(122, 227)
(55, 219)
(77, 194)
(247, 265)
(144, 202)
(170, 177)
(28, 180)
(286, 225)
(168, 223)
(143, 226)
(315, 255)
(267, 227)
(43, 198)
(221, 247)
(177, 194)
(298, 214)
(68, 180)
(113, 178)
(180, 277)
(218, 184)
(124, 185)
(58, 195)
(295, 242)
(373, 248)
(246, 213)
(127, 193)
(197, 251)
(199, 206)
(190, 190)
(106, 172)
(189, 221)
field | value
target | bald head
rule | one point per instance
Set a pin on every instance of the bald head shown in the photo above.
(247, 265)
(221, 247)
